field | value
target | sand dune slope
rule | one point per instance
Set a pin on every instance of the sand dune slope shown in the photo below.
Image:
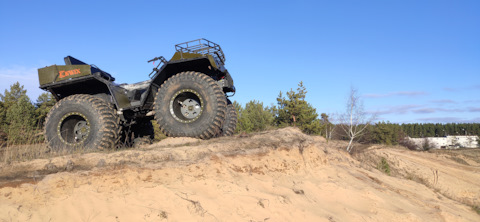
(281, 175)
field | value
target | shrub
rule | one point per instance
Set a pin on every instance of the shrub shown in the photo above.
(426, 145)
(476, 209)
(254, 117)
(408, 143)
(384, 166)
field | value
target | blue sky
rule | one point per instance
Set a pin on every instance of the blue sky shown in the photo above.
(412, 61)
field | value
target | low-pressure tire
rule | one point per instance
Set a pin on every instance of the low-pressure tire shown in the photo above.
(190, 104)
(230, 124)
(81, 122)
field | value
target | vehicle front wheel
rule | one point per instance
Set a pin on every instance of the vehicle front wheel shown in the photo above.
(190, 104)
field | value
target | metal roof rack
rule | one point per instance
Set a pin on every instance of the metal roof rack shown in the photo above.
(202, 46)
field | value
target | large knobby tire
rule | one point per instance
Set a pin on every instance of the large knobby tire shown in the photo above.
(190, 104)
(81, 122)
(230, 124)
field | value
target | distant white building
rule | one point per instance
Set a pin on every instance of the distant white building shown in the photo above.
(448, 142)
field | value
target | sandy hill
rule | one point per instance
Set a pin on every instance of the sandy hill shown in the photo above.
(280, 175)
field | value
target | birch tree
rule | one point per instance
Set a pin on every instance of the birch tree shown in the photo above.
(355, 120)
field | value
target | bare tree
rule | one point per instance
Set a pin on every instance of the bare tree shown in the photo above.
(355, 120)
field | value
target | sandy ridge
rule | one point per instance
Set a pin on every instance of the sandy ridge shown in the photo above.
(281, 175)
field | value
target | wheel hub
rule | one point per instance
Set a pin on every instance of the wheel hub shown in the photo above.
(81, 130)
(190, 108)
(73, 128)
(186, 106)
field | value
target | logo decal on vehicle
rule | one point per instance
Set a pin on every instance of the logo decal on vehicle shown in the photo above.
(63, 74)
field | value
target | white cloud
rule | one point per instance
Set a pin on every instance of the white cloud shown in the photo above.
(402, 109)
(449, 89)
(26, 76)
(473, 109)
(449, 120)
(424, 111)
(476, 86)
(401, 93)
(443, 120)
(444, 101)
(460, 89)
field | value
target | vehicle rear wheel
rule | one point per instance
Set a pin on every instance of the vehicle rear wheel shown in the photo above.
(81, 122)
(190, 104)
(230, 124)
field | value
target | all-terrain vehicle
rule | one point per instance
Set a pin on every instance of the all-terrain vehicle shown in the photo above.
(186, 95)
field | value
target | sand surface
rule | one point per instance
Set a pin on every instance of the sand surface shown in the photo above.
(280, 175)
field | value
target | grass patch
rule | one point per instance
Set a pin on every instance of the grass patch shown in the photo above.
(27, 152)
(20, 153)
(476, 209)
(384, 166)
(417, 179)
(467, 153)
(459, 160)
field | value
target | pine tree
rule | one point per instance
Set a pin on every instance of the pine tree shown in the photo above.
(20, 120)
(3, 135)
(3, 114)
(254, 117)
(295, 111)
(384, 133)
(12, 96)
(43, 105)
(8, 99)
(17, 114)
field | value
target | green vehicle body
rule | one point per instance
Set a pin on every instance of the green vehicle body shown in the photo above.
(136, 100)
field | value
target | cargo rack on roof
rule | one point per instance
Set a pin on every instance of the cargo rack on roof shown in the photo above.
(202, 46)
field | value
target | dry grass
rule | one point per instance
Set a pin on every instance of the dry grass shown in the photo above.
(459, 160)
(467, 153)
(30, 146)
(369, 160)
(21, 153)
(418, 179)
